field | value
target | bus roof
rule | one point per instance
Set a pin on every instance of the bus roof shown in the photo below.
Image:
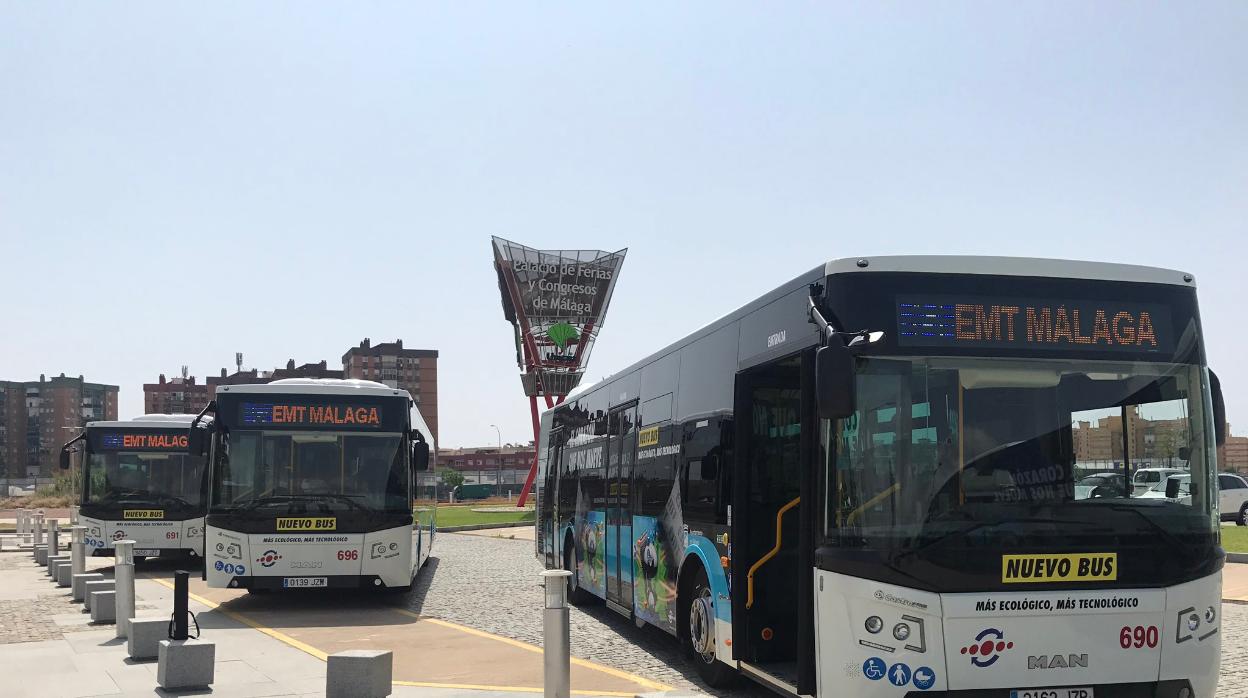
(1010, 266)
(148, 421)
(318, 386)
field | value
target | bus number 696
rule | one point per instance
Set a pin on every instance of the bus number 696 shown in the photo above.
(348, 554)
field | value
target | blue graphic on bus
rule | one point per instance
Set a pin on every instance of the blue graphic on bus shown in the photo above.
(592, 569)
(924, 678)
(874, 668)
(112, 440)
(219, 566)
(257, 413)
(899, 674)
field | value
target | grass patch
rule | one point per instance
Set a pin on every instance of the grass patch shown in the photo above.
(1234, 539)
(465, 516)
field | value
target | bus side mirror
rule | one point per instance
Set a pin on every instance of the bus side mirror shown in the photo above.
(64, 459)
(1172, 488)
(834, 380)
(197, 442)
(420, 456)
(1219, 410)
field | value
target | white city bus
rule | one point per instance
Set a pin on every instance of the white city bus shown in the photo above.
(864, 484)
(312, 485)
(140, 482)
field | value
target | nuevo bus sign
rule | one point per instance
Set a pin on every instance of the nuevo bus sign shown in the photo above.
(556, 301)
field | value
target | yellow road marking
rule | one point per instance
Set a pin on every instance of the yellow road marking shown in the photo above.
(533, 648)
(276, 635)
(304, 647)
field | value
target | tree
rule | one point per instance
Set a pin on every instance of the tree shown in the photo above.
(452, 478)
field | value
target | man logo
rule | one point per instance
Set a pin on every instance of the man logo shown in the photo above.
(1057, 661)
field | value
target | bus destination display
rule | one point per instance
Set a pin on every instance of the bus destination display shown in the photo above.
(1023, 323)
(142, 442)
(311, 415)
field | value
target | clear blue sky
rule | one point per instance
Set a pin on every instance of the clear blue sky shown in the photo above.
(179, 181)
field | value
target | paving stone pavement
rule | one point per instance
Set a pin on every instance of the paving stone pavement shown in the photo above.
(504, 597)
(492, 584)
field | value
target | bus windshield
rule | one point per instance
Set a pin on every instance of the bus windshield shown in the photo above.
(167, 479)
(340, 469)
(983, 452)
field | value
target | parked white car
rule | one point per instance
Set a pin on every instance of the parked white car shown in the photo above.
(1232, 495)
(1146, 479)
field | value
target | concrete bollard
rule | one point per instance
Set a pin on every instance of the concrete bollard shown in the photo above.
(53, 561)
(185, 664)
(92, 587)
(37, 524)
(64, 575)
(144, 635)
(556, 636)
(78, 585)
(123, 574)
(54, 570)
(54, 537)
(73, 514)
(21, 523)
(103, 607)
(78, 548)
(359, 673)
(41, 554)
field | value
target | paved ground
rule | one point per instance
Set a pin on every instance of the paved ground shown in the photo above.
(500, 597)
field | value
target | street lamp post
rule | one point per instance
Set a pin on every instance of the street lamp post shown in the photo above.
(498, 479)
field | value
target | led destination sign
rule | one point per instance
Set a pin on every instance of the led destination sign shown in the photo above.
(311, 415)
(1018, 323)
(118, 441)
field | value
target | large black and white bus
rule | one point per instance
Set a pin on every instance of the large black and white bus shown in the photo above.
(139, 482)
(313, 485)
(863, 484)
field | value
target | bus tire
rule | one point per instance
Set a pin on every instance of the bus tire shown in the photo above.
(696, 625)
(576, 595)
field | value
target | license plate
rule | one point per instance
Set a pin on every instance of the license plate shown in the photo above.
(148, 553)
(297, 582)
(1052, 693)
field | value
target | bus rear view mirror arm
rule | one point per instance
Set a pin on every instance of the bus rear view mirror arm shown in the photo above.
(66, 450)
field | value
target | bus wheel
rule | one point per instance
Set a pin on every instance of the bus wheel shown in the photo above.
(576, 595)
(699, 635)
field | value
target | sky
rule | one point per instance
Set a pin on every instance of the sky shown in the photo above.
(180, 181)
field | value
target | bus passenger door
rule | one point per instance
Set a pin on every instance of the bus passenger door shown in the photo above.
(621, 453)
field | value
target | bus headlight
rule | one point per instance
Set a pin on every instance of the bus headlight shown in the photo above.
(1193, 622)
(901, 631)
(1210, 615)
(874, 624)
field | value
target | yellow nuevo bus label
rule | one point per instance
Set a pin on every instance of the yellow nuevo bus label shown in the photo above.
(308, 523)
(648, 437)
(1077, 567)
(143, 514)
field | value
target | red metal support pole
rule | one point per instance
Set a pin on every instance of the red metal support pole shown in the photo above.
(537, 429)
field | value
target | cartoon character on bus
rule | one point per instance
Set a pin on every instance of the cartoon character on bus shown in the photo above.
(648, 557)
(593, 574)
